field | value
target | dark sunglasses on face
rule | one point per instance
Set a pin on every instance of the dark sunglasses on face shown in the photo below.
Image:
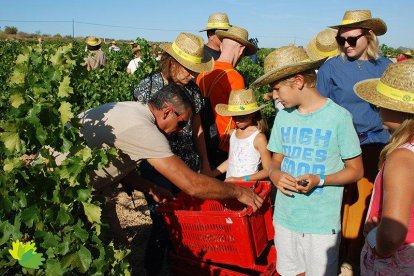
(352, 40)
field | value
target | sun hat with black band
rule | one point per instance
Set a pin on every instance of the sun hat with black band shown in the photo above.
(93, 41)
(217, 21)
(187, 49)
(323, 45)
(362, 19)
(394, 90)
(408, 53)
(241, 36)
(241, 102)
(284, 62)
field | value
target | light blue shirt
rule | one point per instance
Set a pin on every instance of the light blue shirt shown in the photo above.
(314, 143)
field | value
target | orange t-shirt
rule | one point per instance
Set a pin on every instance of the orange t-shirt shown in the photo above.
(217, 85)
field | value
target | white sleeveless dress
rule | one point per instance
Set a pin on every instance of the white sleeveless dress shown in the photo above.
(243, 159)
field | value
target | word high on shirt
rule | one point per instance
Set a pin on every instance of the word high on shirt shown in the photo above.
(305, 150)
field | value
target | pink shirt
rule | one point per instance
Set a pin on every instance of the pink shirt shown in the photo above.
(375, 208)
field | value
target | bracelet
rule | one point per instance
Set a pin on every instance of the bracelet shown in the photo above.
(247, 178)
(322, 180)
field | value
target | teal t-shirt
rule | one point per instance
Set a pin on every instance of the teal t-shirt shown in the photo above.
(314, 143)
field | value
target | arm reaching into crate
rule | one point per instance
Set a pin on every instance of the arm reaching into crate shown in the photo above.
(202, 186)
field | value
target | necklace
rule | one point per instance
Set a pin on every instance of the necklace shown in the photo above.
(359, 64)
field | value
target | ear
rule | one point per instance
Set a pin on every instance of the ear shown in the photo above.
(242, 47)
(165, 112)
(299, 81)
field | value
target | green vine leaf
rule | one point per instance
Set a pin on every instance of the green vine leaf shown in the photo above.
(92, 212)
(65, 112)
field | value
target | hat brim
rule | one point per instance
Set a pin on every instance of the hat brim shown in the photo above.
(222, 110)
(314, 53)
(250, 48)
(377, 25)
(195, 67)
(94, 44)
(283, 72)
(367, 91)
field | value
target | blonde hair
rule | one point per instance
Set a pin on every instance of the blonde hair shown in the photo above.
(373, 51)
(402, 135)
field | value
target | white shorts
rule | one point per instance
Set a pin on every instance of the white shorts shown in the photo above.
(314, 254)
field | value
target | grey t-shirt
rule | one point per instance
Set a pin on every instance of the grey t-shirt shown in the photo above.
(130, 128)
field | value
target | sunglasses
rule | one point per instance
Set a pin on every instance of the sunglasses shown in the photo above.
(181, 121)
(352, 40)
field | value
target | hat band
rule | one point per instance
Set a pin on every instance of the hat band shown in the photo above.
(327, 54)
(243, 107)
(184, 55)
(218, 25)
(394, 93)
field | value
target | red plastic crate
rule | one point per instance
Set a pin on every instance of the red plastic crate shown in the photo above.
(221, 231)
(188, 267)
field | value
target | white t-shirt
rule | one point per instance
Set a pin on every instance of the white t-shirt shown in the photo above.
(133, 65)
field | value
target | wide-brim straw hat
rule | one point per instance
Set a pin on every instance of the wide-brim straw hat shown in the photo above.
(241, 36)
(323, 45)
(217, 21)
(93, 41)
(394, 90)
(408, 53)
(284, 62)
(187, 49)
(241, 102)
(362, 19)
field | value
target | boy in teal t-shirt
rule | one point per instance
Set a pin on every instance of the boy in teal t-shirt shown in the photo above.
(315, 152)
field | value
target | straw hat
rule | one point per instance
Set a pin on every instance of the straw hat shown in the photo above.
(217, 21)
(323, 45)
(187, 49)
(241, 102)
(93, 41)
(362, 19)
(241, 36)
(284, 62)
(408, 53)
(113, 42)
(394, 90)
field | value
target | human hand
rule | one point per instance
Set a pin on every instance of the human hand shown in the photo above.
(370, 224)
(285, 183)
(307, 182)
(160, 195)
(250, 198)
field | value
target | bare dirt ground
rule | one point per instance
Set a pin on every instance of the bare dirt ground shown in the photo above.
(136, 222)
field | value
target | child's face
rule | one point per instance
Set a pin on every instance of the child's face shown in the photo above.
(285, 93)
(243, 121)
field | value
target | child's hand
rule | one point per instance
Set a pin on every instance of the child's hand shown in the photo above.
(306, 182)
(286, 183)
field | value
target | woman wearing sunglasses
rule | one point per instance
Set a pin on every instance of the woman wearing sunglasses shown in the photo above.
(180, 62)
(359, 59)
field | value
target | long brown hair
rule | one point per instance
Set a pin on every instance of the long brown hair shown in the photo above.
(168, 66)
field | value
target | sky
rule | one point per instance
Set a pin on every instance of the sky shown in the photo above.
(274, 23)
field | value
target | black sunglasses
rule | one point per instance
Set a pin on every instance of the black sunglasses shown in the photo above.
(352, 40)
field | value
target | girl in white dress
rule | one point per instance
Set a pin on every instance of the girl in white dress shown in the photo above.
(248, 143)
